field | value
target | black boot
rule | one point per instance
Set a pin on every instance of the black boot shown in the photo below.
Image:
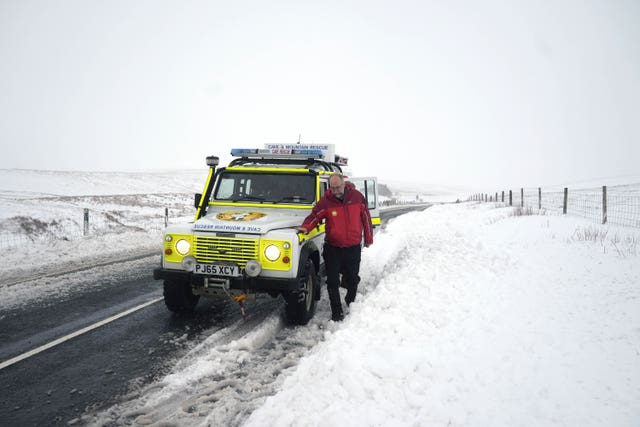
(336, 305)
(351, 294)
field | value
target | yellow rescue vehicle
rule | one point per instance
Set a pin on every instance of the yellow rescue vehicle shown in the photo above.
(243, 239)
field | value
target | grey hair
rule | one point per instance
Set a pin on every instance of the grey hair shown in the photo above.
(339, 175)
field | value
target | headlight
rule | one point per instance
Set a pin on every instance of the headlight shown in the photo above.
(272, 252)
(253, 268)
(183, 247)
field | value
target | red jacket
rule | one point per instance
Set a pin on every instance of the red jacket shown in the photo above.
(346, 219)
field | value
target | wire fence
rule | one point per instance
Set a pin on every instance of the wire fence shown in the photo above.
(618, 205)
(88, 223)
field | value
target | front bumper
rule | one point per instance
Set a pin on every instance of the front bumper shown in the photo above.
(260, 284)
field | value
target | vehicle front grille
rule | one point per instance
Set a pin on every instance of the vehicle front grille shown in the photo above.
(215, 249)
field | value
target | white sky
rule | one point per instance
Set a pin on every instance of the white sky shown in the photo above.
(476, 94)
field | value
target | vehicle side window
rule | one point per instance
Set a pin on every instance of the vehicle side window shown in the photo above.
(370, 188)
(323, 187)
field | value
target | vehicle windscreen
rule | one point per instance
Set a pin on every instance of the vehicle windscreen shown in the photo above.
(264, 187)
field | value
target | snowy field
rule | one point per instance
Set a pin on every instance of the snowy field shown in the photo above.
(43, 205)
(468, 315)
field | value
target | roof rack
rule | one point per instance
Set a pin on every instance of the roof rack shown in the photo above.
(307, 163)
(304, 157)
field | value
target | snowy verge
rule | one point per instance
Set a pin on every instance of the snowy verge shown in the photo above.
(30, 275)
(474, 317)
(60, 256)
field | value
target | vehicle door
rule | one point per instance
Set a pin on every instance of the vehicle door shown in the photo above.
(369, 187)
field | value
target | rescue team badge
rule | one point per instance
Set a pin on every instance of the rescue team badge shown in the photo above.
(239, 216)
(334, 213)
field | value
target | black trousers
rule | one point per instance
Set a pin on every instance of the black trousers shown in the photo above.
(345, 261)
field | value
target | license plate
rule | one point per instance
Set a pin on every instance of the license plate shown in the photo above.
(229, 270)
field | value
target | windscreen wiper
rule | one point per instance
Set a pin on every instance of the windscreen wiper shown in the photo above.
(292, 198)
(249, 197)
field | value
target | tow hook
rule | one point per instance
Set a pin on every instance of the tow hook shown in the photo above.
(240, 299)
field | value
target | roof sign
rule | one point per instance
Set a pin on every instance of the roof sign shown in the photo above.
(328, 150)
(325, 152)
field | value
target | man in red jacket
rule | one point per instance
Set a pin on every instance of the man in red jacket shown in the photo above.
(347, 218)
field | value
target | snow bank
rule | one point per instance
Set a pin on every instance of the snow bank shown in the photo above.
(473, 317)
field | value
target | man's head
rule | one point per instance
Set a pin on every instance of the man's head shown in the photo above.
(336, 185)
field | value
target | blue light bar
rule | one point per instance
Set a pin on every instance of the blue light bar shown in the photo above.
(277, 153)
(308, 152)
(243, 151)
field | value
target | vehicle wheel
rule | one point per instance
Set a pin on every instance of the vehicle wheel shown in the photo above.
(178, 296)
(301, 305)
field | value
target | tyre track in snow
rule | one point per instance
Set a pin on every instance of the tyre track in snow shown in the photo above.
(224, 378)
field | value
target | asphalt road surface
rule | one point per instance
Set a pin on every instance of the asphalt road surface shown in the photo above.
(93, 369)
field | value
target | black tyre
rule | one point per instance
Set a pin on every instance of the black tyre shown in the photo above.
(301, 305)
(178, 296)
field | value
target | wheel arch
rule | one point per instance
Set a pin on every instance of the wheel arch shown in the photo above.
(312, 252)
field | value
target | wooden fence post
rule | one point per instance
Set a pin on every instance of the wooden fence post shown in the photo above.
(502, 196)
(522, 197)
(166, 217)
(85, 228)
(564, 204)
(539, 198)
(604, 204)
(510, 198)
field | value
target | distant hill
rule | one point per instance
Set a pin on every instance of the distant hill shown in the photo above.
(81, 183)
(383, 190)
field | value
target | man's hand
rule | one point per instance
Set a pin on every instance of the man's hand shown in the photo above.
(302, 230)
